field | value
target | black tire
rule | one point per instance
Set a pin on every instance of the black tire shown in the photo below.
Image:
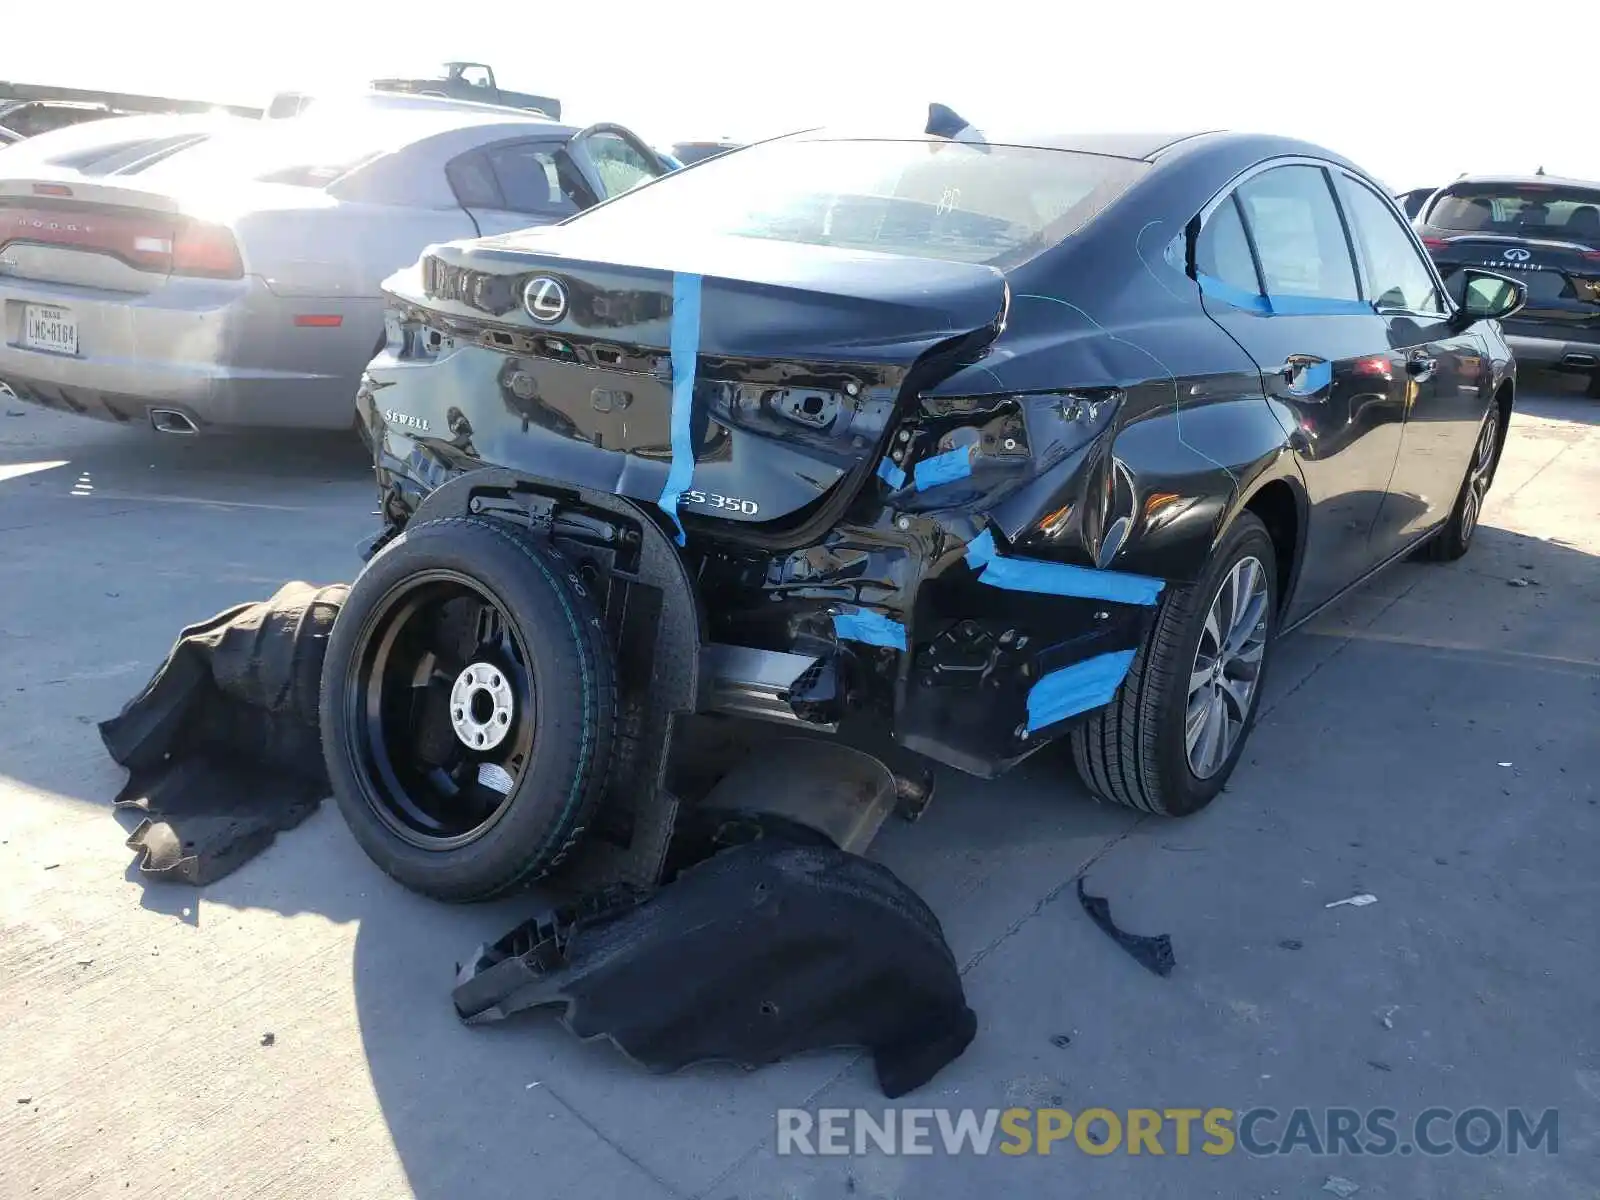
(561, 777)
(1134, 751)
(1455, 539)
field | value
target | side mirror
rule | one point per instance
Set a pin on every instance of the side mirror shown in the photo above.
(1486, 296)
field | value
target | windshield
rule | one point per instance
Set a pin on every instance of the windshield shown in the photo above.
(1532, 210)
(995, 205)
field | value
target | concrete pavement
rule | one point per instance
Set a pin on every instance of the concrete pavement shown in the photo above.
(132, 1019)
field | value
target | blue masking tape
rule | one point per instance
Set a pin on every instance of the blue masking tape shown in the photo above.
(1313, 379)
(872, 628)
(943, 468)
(1252, 301)
(685, 349)
(1076, 689)
(891, 474)
(1057, 579)
(1283, 306)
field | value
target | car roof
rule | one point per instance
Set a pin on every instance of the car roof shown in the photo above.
(1521, 180)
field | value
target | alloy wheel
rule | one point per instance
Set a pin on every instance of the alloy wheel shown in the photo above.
(1227, 667)
(442, 705)
(1479, 474)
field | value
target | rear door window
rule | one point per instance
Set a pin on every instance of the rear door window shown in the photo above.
(1395, 273)
(530, 180)
(1299, 237)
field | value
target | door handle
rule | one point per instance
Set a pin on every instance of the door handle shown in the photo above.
(1306, 375)
(1421, 367)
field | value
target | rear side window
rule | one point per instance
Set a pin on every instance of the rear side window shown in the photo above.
(1396, 275)
(1299, 237)
(1532, 210)
(1223, 251)
(472, 180)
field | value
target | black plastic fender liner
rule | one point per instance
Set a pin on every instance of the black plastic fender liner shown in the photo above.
(761, 952)
(221, 745)
(653, 615)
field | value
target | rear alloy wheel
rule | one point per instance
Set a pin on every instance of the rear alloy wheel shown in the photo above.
(1173, 733)
(1455, 539)
(467, 709)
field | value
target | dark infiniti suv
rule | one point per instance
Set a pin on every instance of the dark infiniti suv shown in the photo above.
(1538, 229)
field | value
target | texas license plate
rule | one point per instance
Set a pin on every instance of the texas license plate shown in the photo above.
(46, 327)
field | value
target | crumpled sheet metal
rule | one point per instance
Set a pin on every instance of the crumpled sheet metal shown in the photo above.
(762, 952)
(222, 745)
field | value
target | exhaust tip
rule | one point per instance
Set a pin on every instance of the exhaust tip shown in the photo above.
(167, 420)
(1580, 360)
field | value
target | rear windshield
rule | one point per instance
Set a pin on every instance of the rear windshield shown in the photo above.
(995, 205)
(303, 151)
(1520, 209)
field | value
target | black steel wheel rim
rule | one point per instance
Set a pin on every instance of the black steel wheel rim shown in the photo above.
(436, 762)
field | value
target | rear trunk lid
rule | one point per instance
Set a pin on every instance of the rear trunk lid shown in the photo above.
(796, 358)
(59, 229)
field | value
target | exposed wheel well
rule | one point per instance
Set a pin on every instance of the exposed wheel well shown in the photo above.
(1275, 506)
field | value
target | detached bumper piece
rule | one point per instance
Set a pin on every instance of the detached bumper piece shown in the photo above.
(761, 952)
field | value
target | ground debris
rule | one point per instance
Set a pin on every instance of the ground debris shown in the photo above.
(1522, 581)
(269, 1039)
(1340, 1186)
(1386, 1015)
(1361, 901)
(1152, 953)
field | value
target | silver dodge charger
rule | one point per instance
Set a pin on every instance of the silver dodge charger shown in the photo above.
(202, 273)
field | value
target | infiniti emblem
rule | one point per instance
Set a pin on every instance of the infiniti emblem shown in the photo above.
(545, 299)
(1516, 255)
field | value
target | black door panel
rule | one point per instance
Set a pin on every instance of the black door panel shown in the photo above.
(1435, 369)
(1324, 355)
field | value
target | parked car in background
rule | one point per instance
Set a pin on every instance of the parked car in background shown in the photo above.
(29, 118)
(221, 273)
(1411, 202)
(468, 81)
(689, 153)
(1542, 231)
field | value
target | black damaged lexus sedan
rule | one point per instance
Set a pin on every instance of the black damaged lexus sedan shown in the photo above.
(990, 442)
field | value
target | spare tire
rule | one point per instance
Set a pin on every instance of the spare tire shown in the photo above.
(468, 704)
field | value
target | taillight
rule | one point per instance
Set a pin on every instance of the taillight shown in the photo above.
(205, 250)
(1433, 243)
(1592, 256)
(147, 241)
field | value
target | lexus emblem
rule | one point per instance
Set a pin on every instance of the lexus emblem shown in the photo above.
(1516, 255)
(545, 299)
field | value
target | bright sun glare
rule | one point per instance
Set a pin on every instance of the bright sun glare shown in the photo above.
(1376, 81)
